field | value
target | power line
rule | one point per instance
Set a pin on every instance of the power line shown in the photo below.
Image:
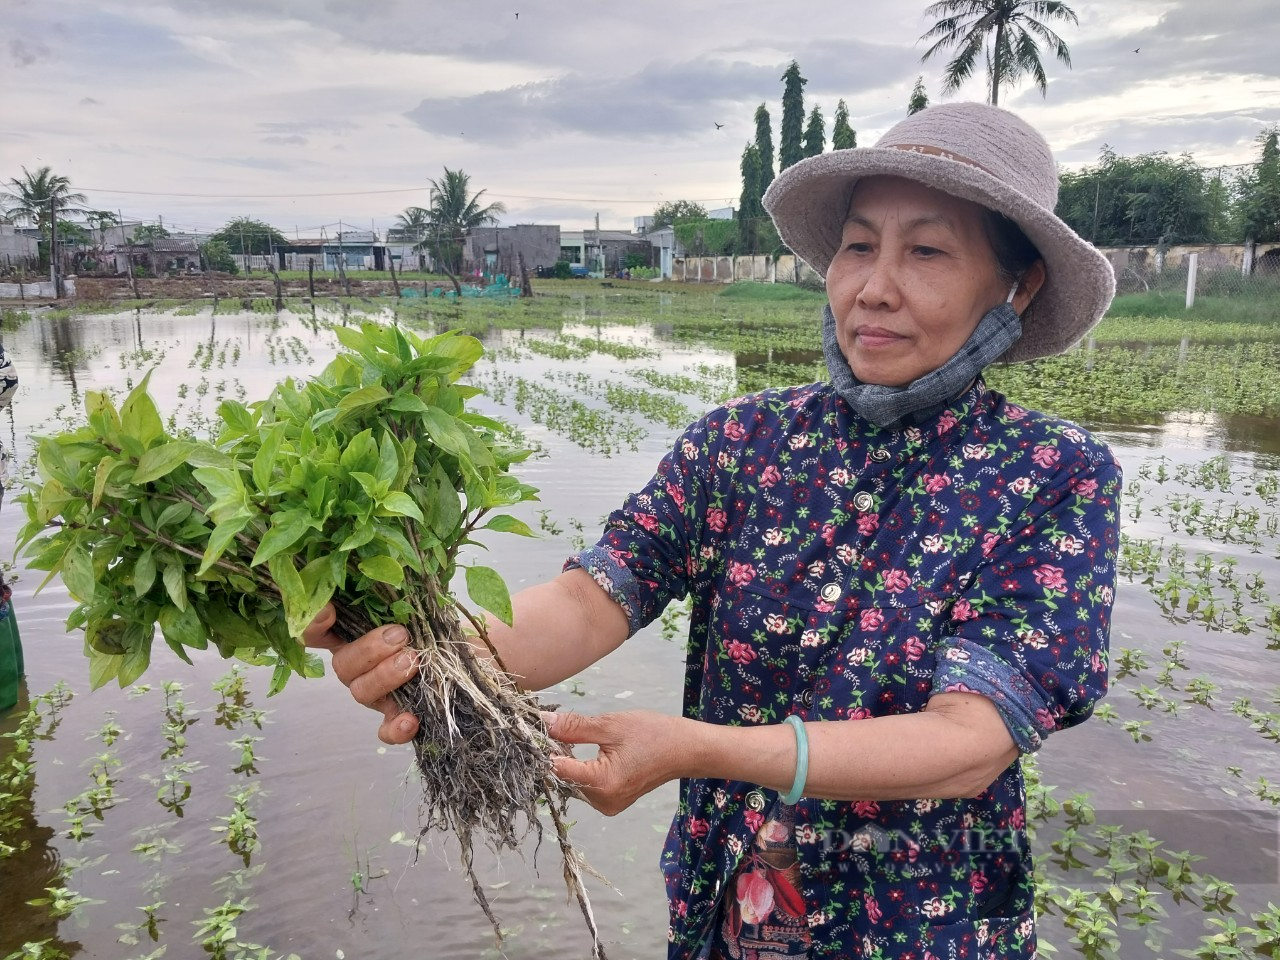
(366, 193)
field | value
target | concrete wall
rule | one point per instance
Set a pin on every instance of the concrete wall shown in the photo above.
(538, 243)
(761, 268)
(36, 291)
(16, 247)
(1213, 256)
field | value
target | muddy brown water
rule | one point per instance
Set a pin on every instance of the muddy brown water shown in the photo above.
(335, 875)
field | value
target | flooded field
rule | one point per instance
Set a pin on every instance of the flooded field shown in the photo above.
(191, 807)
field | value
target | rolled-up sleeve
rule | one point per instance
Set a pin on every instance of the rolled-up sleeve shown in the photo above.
(649, 548)
(1031, 630)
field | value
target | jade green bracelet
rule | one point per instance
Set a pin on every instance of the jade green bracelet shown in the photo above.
(802, 760)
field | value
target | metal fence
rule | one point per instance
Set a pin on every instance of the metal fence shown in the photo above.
(1192, 280)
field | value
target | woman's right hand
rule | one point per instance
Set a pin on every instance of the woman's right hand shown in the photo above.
(371, 667)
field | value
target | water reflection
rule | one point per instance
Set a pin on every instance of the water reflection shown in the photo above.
(1193, 430)
(36, 865)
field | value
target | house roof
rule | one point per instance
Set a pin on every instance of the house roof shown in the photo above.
(172, 245)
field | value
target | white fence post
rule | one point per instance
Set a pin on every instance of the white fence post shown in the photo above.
(1193, 265)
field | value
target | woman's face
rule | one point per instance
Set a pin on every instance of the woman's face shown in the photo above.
(914, 275)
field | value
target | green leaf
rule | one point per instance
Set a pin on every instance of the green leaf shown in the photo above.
(240, 420)
(183, 628)
(401, 505)
(383, 569)
(446, 507)
(445, 432)
(487, 588)
(174, 515)
(464, 349)
(359, 399)
(388, 459)
(204, 455)
(229, 630)
(408, 403)
(279, 677)
(219, 540)
(101, 475)
(175, 583)
(227, 490)
(361, 453)
(102, 415)
(287, 528)
(265, 461)
(134, 663)
(363, 533)
(351, 339)
(103, 667)
(292, 592)
(77, 573)
(318, 583)
(162, 460)
(144, 572)
(139, 417)
(504, 523)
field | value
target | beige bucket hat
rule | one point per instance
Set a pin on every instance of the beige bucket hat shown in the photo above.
(979, 153)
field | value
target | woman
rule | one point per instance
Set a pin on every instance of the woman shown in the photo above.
(901, 581)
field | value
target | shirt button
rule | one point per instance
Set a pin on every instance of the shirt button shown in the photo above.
(830, 592)
(863, 502)
(755, 800)
(879, 455)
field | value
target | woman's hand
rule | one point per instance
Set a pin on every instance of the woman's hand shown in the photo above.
(639, 751)
(371, 667)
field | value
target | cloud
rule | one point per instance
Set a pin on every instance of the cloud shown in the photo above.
(90, 102)
(662, 100)
(283, 127)
(26, 53)
(291, 140)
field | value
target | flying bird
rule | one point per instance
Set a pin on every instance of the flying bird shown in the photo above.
(1136, 49)
(718, 125)
(517, 16)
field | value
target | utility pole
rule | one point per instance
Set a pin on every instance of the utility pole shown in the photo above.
(53, 247)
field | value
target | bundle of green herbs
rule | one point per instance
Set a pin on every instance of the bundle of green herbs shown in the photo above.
(359, 487)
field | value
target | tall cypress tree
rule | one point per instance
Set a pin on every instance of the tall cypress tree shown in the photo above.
(764, 143)
(791, 147)
(815, 134)
(749, 207)
(843, 136)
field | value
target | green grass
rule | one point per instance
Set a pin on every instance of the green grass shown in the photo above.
(770, 293)
(1260, 306)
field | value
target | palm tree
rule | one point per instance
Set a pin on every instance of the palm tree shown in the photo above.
(454, 210)
(411, 226)
(27, 197)
(1013, 27)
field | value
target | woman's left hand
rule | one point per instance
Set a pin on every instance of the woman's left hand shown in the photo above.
(639, 751)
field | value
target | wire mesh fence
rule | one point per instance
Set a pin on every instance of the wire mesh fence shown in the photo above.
(1207, 280)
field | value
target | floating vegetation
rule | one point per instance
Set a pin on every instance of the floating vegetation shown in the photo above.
(596, 430)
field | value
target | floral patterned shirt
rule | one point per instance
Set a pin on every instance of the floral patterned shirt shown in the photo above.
(839, 571)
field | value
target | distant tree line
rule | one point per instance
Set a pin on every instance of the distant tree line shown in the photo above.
(1154, 198)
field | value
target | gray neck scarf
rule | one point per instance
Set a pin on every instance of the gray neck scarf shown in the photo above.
(896, 407)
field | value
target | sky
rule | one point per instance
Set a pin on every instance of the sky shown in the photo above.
(312, 113)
